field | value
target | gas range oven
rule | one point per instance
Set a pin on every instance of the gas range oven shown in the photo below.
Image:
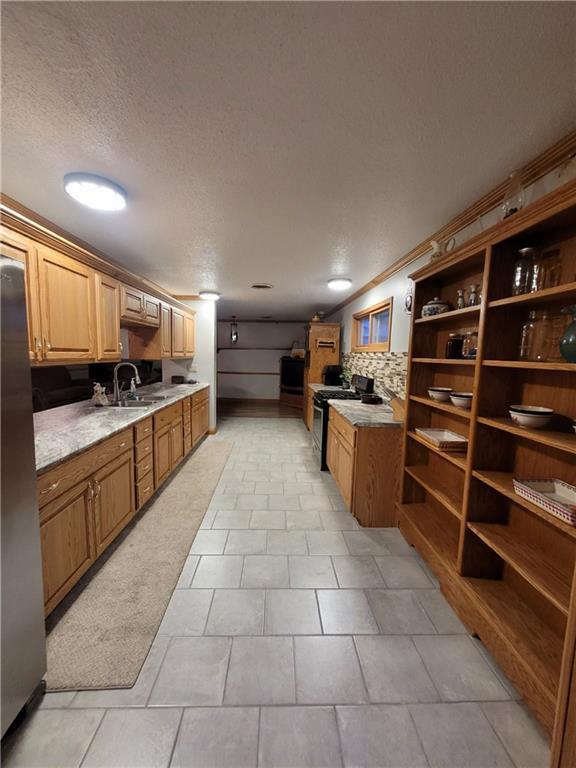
(361, 385)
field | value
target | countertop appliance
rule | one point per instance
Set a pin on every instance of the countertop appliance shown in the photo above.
(23, 634)
(361, 385)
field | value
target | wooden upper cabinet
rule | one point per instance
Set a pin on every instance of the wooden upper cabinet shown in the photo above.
(138, 307)
(189, 324)
(108, 317)
(67, 317)
(151, 310)
(131, 303)
(178, 347)
(24, 250)
(165, 330)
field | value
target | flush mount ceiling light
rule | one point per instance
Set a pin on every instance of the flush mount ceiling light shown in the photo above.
(209, 295)
(95, 192)
(339, 283)
(262, 286)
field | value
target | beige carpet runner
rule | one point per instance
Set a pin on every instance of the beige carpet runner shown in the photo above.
(101, 633)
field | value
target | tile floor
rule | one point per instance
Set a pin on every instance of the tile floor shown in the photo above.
(294, 639)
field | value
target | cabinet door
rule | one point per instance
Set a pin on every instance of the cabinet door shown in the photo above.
(67, 536)
(176, 443)
(165, 330)
(189, 335)
(162, 452)
(108, 317)
(151, 310)
(132, 303)
(113, 499)
(332, 451)
(24, 250)
(66, 307)
(196, 423)
(177, 333)
(345, 476)
(205, 417)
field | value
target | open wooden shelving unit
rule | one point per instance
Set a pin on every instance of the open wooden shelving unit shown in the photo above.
(507, 566)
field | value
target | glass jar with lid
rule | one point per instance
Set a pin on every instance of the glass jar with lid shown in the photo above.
(470, 344)
(523, 270)
(454, 346)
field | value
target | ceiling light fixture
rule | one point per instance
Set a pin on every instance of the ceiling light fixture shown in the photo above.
(339, 283)
(209, 295)
(262, 286)
(95, 192)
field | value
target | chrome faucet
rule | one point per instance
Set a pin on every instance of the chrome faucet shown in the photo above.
(117, 387)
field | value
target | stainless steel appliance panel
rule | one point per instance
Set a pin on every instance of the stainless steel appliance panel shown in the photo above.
(22, 615)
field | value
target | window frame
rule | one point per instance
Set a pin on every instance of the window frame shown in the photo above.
(370, 312)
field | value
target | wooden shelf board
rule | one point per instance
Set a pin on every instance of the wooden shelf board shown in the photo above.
(530, 365)
(531, 639)
(460, 412)
(429, 481)
(562, 441)
(433, 528)
(448, 315)
(538, 297)
(502, 482)
(442, 361)
(459, 460)
(538, 570)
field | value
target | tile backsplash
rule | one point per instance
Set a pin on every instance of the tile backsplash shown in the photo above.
(388, 369)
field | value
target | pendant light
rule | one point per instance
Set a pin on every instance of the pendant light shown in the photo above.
(233, 330)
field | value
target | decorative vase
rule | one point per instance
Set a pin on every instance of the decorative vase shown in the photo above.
(568, 340)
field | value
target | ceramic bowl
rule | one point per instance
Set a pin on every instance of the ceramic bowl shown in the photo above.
(462, 400)
(532, 416)
(440, 394)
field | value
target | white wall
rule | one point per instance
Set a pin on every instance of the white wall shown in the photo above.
(259, 349)
(201, 367)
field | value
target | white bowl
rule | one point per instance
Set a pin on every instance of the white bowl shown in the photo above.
(462, 400)
(531, 416)
(440, 394)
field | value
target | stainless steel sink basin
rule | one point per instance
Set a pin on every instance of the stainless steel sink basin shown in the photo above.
(132, 404)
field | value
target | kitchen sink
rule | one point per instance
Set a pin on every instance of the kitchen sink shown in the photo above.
(132, 404)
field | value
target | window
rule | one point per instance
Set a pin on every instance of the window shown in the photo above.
(371, 331)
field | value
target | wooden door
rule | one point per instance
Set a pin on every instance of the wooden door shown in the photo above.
(24, 250)
(162, 453)
(131, 303)
(108, 317)
(176, 443)
(66, 307)
(345, 475)
(165, 330)
(151, 310)
(177, 333)
(67, 537)
(332, 451)
(189, 335)
(113, 499)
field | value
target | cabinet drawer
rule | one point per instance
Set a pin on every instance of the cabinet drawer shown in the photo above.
(55, 481)
(167, 415)
(143, 467)
(144, 489)
(200, 397)
(143, 429)
(143, 449)
(346, 430)
(187, 416)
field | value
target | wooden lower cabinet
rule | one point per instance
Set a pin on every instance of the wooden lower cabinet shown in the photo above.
(67, 538)
(364, 462)
(162, 450)
(113, 499)
(176, 443)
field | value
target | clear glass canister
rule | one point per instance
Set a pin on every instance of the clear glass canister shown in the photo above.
(470, 345)
(535, 337)
(523, 271)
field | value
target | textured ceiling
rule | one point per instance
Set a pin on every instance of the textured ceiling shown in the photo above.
(279, 142)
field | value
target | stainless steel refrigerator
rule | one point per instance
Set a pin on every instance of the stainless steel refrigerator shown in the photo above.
(22, 614)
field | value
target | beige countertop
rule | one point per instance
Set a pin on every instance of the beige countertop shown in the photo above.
(63, 432)
(362, 415)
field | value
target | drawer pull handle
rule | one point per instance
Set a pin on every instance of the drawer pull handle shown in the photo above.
(122, 445)
(146, 490)
(146, 429)
(51, 487)
(146, 468)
